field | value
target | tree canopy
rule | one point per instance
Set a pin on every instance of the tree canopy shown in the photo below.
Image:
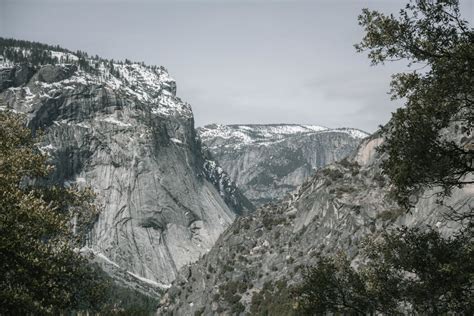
(41, 273)
(405, 271)
(429, 141)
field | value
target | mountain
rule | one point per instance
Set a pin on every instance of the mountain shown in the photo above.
(335, 209)
(269, 161)
(120, 129)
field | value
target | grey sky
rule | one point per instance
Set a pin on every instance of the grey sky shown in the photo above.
(234, 61)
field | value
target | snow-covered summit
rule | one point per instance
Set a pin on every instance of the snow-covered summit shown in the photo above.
(264, 134)
(59, 69)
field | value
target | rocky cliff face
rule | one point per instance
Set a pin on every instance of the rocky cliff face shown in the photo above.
(269, 161)
(334, 209)
(121, 129)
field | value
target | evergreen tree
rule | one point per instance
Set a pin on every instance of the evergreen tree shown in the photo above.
(439, 97)
(428, 143)
(333, 286)
(421, 270)
(40, 273)
(405, 271)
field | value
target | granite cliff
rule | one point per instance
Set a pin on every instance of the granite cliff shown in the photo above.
(269, 161)
(120, 129)
(334, 210)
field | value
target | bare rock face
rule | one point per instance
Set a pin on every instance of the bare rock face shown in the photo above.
(269, 161)
(333, 210)
(15, 76)
(120, 129)
(50, 73)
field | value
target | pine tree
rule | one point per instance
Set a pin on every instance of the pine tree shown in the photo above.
(40, 271)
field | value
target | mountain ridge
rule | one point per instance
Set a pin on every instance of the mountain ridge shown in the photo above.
(268, 161)
(260, 256)
(119, 128)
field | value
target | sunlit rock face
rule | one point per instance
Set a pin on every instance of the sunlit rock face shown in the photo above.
(332, 211)
(269, 161)
(122, 130)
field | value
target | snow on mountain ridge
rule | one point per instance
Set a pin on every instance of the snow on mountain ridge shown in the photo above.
(151, 85)
(269, 161)
(246, 134)
(120, 129)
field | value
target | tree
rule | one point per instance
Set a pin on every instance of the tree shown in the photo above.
(421, 271)
(40, 272)
(429, 142)
(333, 286)
(404, 271)
(275, 298)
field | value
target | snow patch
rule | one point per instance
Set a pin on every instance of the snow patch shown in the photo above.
(267, 134)
(103, 257)
(113, 120)
(47, 148)
(63, 57)
(355, 133)
(154, 283)
(176, 141)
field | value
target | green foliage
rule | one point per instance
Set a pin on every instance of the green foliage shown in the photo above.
(210, 269)
(199, 312)
(120, 300)
(15, 50)
(40, 272)
(237, 308)
(434, 275)
(228, 267)
(274, 298)
(428, 143)
(439, 97)
(232, 287)
(333, 286)
(37, 54)
(231, 293)
(390, 214)
(406, 271)
(333, 174)
(271, 219)
(346, 163)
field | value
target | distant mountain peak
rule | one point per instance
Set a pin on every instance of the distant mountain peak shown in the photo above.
(246, 134)
(268, 161)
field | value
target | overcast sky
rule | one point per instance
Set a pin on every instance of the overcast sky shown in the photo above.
(253, 61)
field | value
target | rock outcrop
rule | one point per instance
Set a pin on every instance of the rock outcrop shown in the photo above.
(333, 210)
(269, 161)
(120, 129)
